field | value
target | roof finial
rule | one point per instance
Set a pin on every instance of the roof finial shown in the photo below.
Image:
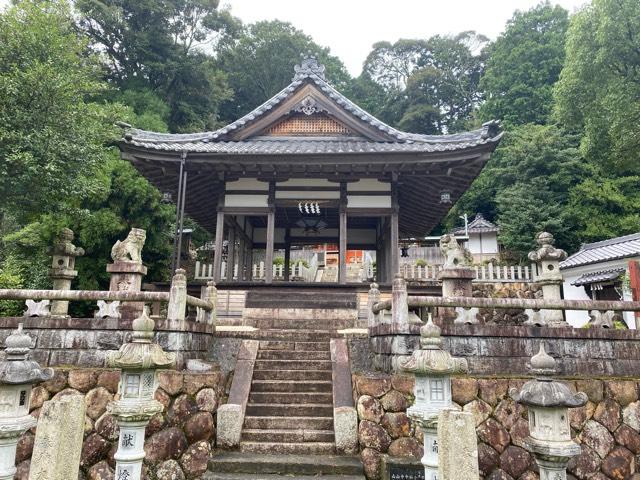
(308, 67)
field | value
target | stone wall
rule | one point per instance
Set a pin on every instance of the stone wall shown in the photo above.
(85, 341)
(513, 316)
(179, 440)
(608, 427)
(506, 350)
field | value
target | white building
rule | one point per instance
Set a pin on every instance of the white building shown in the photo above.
(596, 272)
(483, 239)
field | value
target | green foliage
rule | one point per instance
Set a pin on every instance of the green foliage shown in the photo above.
(260, 64)
(51, 132)
(523, 65)
(10, 277)
(599, 89)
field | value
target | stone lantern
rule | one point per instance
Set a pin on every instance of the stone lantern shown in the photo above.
(548, 402)
(432, 367)
(17, 375)
(138, 361)
(62, 270)
(548, 258)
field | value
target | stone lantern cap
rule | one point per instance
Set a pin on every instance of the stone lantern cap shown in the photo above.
(141, 353)
(544, 391)
(17, 369)
(546, 250)
(431, 359)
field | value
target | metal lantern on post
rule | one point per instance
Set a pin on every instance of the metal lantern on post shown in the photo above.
(432, 367)
(138, 360)
(17, 376)
(548, 402)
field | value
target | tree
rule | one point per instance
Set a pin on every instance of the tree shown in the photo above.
(391, 65)
(160, 47)
(260, 64)
(52, 132)
(598, 93)
(523, 65)
(526, 186)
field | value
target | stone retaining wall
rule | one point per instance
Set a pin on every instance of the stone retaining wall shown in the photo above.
(179, 440)
(513, 316)
(608, 427)
(506, 350)
(85, 341)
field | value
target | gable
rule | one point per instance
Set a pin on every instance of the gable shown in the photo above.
(308, 111)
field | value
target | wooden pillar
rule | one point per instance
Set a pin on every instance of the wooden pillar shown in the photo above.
(342, 272)
(271, 220)
(242, 246)
(634, 283)
(394, 246)
(231, 252)
(287, 254)
(217, 259)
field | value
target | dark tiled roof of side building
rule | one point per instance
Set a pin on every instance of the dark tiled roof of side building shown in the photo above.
(606, 250)
(478, 225)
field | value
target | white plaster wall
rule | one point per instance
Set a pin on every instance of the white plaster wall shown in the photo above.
(364, 201)
(485, 244)
(247, 184)
(368, 184)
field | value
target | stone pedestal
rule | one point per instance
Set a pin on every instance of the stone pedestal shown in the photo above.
(456, 282)
(127, 277)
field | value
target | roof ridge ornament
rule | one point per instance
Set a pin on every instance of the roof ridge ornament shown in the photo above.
(309, 66)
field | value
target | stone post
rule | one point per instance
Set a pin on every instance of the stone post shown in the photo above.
(399, 301)
(548, 402)
(209, 294)
(457, 446)
(58, 444)
(432, 367)
(17, 375)
(127, 270)
(62, 270)
(456, 277)
(176, 310)
(548, 258)
(139, 360)
(372, 299)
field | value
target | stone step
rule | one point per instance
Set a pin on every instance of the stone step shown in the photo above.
(282, 423)
(295, 448)
(293, 398)
(287, 436)
(298, 410)
(283, 374)
(305, 346)
(302, 323)
(292, 365)
(275, 476)
(292, 386)
(297, 335)
(293, 355)
(236, 462)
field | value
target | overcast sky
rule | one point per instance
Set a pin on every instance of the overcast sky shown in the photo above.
(351, 27)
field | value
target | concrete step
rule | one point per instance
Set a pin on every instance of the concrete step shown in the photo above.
(292, 365)
(297, 448)
(287, 436)
(275, 476)
(293, 398)
(283, 374)
(282, 423)
(299, 410)
(291, 386)
(236, 462)
(293, 355)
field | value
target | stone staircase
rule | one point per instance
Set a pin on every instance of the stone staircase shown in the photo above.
(288, 426)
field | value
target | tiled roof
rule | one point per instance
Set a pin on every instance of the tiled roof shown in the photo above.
(598, 277)
(606, 250)
(478, 225)
(310, 72)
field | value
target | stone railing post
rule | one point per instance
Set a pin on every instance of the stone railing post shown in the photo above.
(547, 259)
(432, 367)
(399, 301)
(127, 270)
(139, 361)
(62, 270)
(456, 277)
(209, 293)
(372, 299)
(548, 402)
(17, 375)
(177, 308)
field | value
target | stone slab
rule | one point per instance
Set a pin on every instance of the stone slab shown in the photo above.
(457, 446)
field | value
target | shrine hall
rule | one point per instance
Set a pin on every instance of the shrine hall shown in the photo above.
(308, 168)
